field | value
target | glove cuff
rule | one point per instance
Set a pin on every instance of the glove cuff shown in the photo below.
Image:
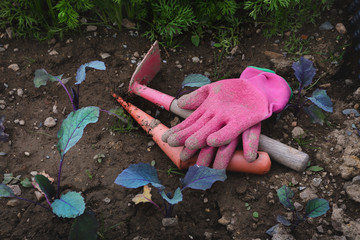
(274, 87)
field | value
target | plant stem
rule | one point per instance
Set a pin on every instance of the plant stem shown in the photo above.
(62, 84)
(27, 200)
(120, 117)
(58, 178)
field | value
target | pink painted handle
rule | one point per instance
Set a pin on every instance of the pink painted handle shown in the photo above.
(154, 96)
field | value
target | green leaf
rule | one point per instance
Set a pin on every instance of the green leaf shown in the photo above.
(255, 214)
(315, 168)
(5, 191)
(41, 78)
(70, 205)
(195, 80)
(26, 183)
(195, 39)
(315, 113)
(45, 185)
(316, 207)
(84, 227)
(176, 199)
(218, 45)
(8, 177)
(72, 127)
(285, 194)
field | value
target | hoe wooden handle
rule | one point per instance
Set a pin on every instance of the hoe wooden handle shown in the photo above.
(281, 153)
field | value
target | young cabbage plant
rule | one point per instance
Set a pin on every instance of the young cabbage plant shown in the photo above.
(314, 208)
(304, 73)
(142, 174)
(70, 204)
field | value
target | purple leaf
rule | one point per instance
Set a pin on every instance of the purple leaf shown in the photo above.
(283, 220)
(285, 195)
(195, 80)
(304, 71)
(202, 178)
(3, 136)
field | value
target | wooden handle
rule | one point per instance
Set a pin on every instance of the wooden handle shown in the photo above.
(281, 153)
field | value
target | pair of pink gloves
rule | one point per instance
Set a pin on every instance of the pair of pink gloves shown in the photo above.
(225, 109)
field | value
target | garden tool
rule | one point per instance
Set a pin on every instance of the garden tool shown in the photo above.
(147, 70)
(156, 129)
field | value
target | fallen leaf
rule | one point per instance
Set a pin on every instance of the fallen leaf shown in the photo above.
(143, 197)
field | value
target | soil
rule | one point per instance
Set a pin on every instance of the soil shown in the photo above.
(199, 213)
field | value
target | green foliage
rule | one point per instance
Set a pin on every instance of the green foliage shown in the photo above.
(42, 19)
(296, 47)
(278, 16)
(170, 19)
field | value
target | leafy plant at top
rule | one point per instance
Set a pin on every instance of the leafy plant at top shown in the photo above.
(304, 73)
(314, 208)
(170, 19)
(3, 136)
(142, 174)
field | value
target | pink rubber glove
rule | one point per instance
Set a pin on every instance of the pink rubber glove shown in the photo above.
(224, 110)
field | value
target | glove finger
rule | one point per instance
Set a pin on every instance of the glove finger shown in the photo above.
(226, 134)
(186, 154)
(206, 156)
(224, 154)
(190, 121)
(198, 139)
(179, 138)
(250, 140)
(194, 99)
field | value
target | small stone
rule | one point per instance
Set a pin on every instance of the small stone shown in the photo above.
(136, 54)
(27, 154)
(308, 194)
(33, 173)
(12, 203)
(107, 200)
(340, 27)
(91, 28)
(320, 229)
(53, 52)
(348, 82)
(195, 59)
(2, 49)
(49, 122)
(105, 55)
(21, 122)
(297, 132)
(14, 67)
(206, 200)
(151, 143)
(208, 235)
(20, 92)
(16, 189)
(273, 55)
(316, 182)
(353, 191)
(293, 124)
(326, 26)
(298, 206)
(223, 221)
(169, 222)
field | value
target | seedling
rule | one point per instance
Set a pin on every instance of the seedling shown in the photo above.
(70, 204)
(142, 174)
(304, 73)
(314, 208)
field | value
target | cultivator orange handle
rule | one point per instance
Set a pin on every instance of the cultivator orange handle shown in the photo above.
(155, 128)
